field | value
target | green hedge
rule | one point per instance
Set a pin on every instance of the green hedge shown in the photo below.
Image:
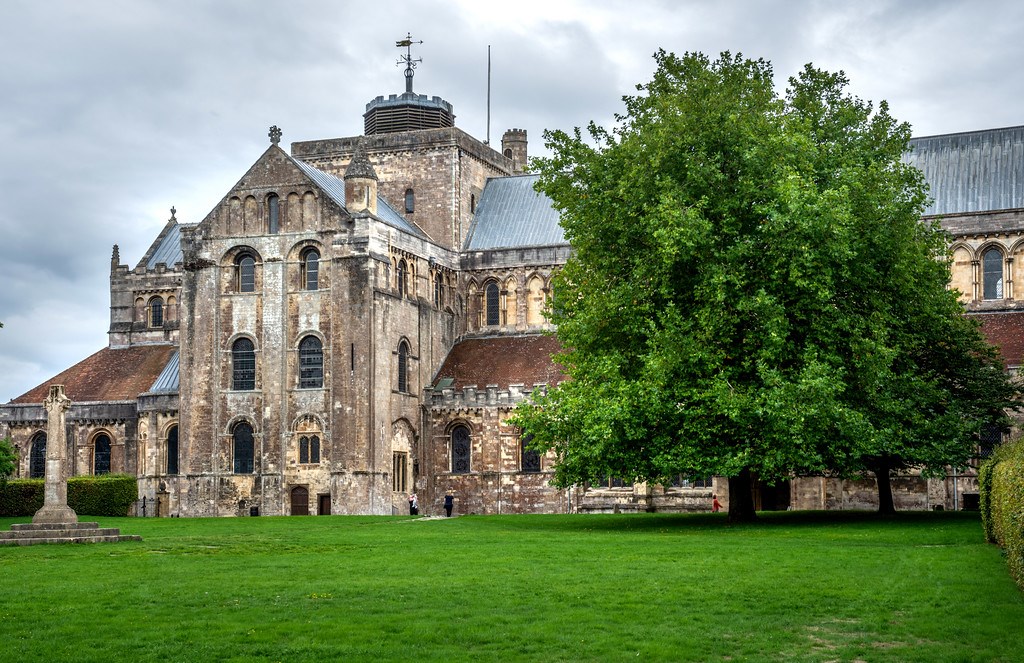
(108, 495)
(1001, 481)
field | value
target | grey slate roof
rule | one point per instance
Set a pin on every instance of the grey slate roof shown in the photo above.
(335, 188)
(973, 171)
(511, 214)
(169, 252)
(167, 381)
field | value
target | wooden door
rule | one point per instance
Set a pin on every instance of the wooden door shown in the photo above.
(300, 501)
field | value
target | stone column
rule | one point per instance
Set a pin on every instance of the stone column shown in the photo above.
(55, 503)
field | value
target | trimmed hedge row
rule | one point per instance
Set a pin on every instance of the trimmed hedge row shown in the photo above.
(108, 495)
(1001, 482)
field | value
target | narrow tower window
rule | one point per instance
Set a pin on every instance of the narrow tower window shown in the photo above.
(400, 274)
(310, 269)
(403, 367)
(273, 213)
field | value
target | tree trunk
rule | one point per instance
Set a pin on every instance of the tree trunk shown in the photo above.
(741, 498)
(885, 504)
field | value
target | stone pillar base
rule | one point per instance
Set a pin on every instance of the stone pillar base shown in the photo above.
(55, 514)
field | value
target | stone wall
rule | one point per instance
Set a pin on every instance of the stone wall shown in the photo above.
(495, 482)
(445, 168)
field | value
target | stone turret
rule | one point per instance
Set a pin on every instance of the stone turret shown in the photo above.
(513, 146)
(360, 183)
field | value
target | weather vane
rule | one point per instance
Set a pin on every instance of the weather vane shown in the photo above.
(407, 59)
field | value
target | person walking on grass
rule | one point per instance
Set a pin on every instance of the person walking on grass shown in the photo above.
(716, 506)
(449, 502)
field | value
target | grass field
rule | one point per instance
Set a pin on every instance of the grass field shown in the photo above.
(795, 587)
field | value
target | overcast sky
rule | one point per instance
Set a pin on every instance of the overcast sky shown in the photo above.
(113, 111)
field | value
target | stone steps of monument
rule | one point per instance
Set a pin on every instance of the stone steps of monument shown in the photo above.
(60, 532)
(26, 534)
(116, 538)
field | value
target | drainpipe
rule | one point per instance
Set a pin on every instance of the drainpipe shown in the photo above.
(956, 495)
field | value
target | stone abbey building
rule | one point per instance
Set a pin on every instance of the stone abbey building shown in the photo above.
(356, 318)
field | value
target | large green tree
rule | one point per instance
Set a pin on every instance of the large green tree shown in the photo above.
(8, 459)
(748, 278)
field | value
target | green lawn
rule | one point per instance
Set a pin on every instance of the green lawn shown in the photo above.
(796, 587)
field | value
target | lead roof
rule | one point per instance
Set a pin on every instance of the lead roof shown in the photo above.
(974, 171)
(511, 214)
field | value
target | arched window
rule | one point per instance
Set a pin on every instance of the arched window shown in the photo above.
(492, 296)
(400, 276)
(243, 448)
(243, 365)
(245, 273)
(403, 367)
(529, 460)
(172, 450)
(310, 269)
(460, 450)
(508, 154)
(273, 213)
(535, 301)
(992, 268)
(101, 454)
(438, 289)
(309, 450)
(410, 201)
(472, 203)
(156, 312)
(37, 457)
(311, 363)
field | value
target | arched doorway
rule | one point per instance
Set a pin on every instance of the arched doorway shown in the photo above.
(300, 501)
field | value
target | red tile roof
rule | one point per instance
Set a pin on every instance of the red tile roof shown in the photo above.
(1006, 332)
(109, 375)
(502, 360)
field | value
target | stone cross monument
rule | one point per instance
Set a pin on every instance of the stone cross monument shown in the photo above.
(55, 502)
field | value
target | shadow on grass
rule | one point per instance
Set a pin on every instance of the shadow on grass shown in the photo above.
(712, 522)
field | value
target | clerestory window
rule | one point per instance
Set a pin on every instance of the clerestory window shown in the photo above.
(245, 273)
(243, 447)
(310, 269)
(243, 365)
(992, 268)
(156, 312)
(492, 302)
(311, 363)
